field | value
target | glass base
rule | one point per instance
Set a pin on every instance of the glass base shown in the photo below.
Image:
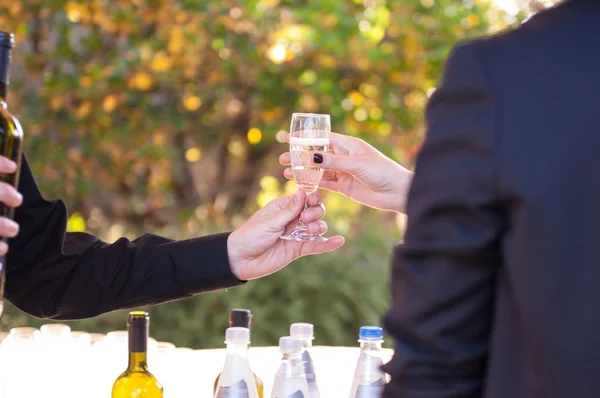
(303, 236)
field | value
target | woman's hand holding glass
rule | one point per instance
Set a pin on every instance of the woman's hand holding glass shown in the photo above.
(360, 172)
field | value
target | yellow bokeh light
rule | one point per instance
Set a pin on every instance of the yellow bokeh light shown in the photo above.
(86, 81)
(376, 113)
(142, 81)
(278, 53)
(290, 187)
(415, 99)
(360, 114)
(236, 148)
(254, 136)
(110, 103)
(73, 11)
(75, 223)
(369, 90)
(83, 110)
(176, 41)
(473, 19)
(356, 98)
(56, 103)
(384, 130)
(159, 138)
(192, 103)
(269, 183)
(193, 155)
(264, 198)
(161, 62)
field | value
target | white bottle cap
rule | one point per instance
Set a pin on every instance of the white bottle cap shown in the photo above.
(290, 344)
(303, 331)
(237, 335)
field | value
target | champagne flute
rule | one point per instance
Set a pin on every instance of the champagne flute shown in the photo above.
(309, 132)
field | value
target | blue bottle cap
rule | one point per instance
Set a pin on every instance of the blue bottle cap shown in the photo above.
(370, 333)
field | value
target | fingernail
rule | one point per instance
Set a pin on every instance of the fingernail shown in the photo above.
(10, 165)
(18, 198)
(318, 158)
(3, 248)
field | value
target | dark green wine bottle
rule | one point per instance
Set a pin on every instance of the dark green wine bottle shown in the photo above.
(11, 139)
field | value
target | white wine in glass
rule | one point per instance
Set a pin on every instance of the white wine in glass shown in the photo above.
(309, 133)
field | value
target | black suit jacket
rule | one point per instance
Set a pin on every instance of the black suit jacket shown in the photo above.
(54, 274)
(496, 290)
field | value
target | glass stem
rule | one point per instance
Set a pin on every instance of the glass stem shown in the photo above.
(301, 225)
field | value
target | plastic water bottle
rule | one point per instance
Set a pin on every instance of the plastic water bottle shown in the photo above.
(236, 379)
(290, 380)
(369, 379)
(305, 332)
(241, 317)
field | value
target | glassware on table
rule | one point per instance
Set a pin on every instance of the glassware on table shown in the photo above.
(96, 337)
(54, 332)
(18, 352)
(309, 133)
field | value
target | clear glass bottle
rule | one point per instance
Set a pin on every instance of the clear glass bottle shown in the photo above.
(369, 379)
(305, 332)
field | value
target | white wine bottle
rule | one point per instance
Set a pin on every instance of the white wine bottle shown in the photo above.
(11, 139)
(137, 381)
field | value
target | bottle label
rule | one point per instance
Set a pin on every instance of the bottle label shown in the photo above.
(297, 394)
(236, 390)
(309, 369)
(373, 390)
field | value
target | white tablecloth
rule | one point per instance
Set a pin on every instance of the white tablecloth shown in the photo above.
(72, 372)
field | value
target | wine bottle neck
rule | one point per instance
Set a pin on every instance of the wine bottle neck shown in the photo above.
(5, 56)
(138, 345)
(138, 361)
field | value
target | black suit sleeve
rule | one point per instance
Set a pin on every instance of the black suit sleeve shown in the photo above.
(443, 276)
(54, 274)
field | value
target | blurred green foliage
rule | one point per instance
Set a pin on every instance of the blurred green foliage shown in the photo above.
(169, 115)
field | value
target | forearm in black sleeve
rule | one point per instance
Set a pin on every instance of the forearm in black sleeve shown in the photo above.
(54, 274)
(443, 275)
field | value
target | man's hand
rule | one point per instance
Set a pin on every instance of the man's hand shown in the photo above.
(255, 249)
(10, 197)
